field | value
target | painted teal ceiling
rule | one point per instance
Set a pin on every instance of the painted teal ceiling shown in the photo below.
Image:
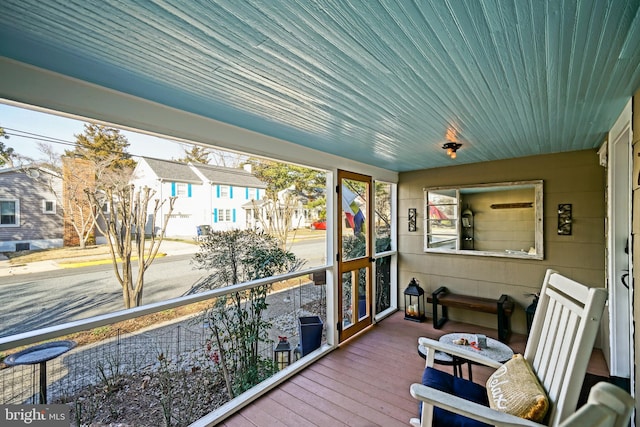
(378, 81)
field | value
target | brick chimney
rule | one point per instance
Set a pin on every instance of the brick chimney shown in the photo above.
(77, 175)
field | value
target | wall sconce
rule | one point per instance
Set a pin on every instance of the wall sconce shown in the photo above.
(451, 148)
(564, 219)
(412, 219)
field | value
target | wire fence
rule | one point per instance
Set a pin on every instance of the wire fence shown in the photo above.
(182, 344)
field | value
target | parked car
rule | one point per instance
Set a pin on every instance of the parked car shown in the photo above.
(319, 225)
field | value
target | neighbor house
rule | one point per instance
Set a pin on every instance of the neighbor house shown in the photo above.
(205, 195)
(30, 214)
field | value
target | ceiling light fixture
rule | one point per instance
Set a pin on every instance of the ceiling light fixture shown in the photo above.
(451, 148)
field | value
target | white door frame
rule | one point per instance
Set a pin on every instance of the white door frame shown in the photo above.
(619, 167)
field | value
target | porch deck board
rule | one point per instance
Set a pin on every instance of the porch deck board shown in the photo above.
(365, 382)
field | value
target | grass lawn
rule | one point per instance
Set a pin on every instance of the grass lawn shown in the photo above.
(23, 257)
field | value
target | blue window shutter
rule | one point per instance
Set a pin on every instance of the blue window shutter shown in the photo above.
(215, 215)
(233, 213)
(231, 191)
(218, 191)
(257, 194)
(173, 189)
(188, 190)
(246, 193)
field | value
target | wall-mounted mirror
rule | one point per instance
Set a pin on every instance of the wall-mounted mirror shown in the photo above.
(501, 219)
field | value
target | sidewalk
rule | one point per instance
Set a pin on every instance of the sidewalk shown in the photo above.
(167, 248)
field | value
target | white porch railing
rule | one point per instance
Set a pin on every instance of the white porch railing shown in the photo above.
(65, 375)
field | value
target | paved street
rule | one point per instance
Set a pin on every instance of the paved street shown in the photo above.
(38, 300)
(37, 296)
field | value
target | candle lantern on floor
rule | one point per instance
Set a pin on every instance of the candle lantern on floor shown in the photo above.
(414, 302)
(282, 353)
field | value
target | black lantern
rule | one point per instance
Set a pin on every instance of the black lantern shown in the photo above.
(414, 302)
(282, 353)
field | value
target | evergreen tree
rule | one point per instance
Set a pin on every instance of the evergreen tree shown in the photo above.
(99, 143)
(196, 154)
(6, 153)
(308, 184)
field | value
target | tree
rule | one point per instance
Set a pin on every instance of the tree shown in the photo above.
(206, 156)
(124, 225)
(226, 159)
(51, 159)
(6, 153)
(100, 142)
(237, 256)
(238, 328)
(197, 154)
(287, 187)
(99, 154)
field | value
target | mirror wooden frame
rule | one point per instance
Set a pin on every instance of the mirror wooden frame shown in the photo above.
(455, 206)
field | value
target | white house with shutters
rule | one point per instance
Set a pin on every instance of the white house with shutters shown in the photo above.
(206, 195)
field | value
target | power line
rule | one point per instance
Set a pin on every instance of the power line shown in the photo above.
(44, 138)
(62, 141)
(34, 136)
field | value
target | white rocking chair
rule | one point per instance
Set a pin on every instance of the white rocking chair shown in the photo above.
(608, 406)
(560, 343)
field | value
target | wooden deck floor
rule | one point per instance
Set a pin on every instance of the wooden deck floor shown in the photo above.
(365, 382)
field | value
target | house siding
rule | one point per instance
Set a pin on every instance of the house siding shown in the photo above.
(40, 230)
(572, 177)
(203, 203)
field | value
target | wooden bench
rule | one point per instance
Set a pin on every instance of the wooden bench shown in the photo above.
(503, 307)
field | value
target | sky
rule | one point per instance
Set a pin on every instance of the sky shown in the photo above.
(26, 128)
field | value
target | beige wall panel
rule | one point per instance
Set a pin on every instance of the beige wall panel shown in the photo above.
(581, 201)
(574, 177)
(417, 203)
(588, 230)
(574, 255)
(561, 180)
(594, 278)
(412, 243)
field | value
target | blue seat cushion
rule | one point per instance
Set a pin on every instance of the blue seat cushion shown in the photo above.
(459, 387)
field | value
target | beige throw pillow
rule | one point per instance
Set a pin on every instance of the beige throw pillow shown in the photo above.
(515, 389)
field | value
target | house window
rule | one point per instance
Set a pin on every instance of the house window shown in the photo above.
(224, 191)
(251, 194)
(9, 213)
(224, 215)
(49, 206)
(181, 189)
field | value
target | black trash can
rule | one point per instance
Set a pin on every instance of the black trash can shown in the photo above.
(310, 328)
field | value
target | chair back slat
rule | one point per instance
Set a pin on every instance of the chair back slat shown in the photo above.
(541, 360)
(562, 355)
(561, 340)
